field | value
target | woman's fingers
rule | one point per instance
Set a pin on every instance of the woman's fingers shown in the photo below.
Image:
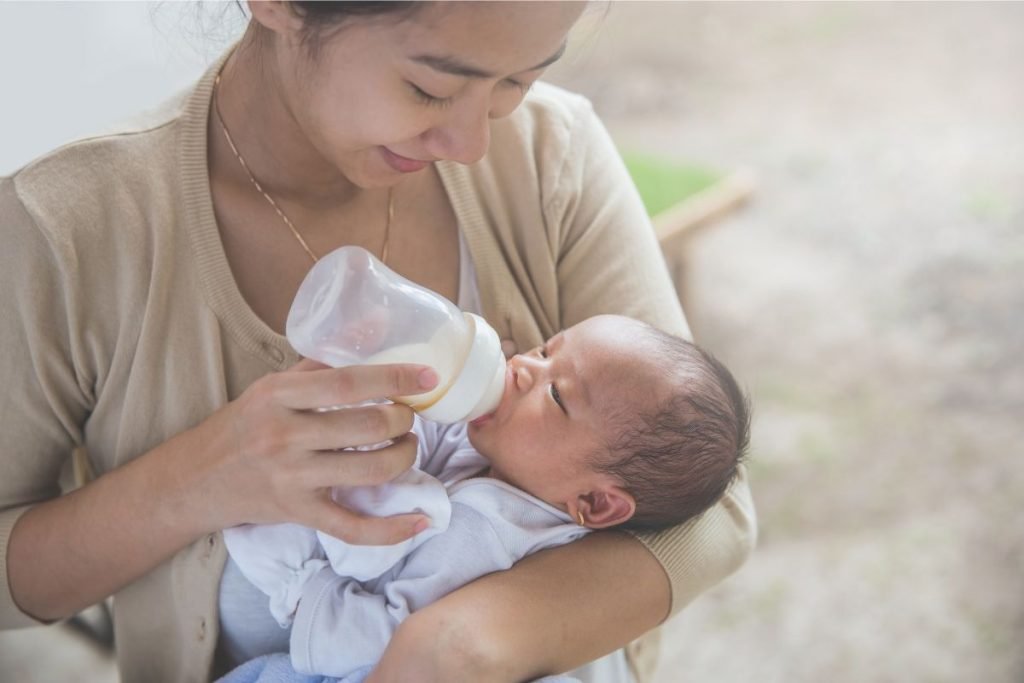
(318, 388)
(363, 468)
(281, 454)
(307, 364)
(358, 529)
(350, 427)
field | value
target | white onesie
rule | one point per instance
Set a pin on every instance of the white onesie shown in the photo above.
(346, 601)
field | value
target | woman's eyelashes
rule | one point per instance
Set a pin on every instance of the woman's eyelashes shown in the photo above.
(426, 98)
(522, 87)
(430, 100)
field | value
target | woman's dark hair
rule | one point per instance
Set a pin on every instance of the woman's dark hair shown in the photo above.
(322, 18)
(322, 13)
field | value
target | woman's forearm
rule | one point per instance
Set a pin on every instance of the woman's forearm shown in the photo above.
(549, 613)
(73, 551)
(260, 458)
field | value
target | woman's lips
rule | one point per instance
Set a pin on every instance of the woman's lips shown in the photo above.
(402, 164)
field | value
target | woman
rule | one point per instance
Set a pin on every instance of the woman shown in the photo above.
(150, 273)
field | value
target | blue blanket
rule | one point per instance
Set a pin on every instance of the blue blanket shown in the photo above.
(277, 668)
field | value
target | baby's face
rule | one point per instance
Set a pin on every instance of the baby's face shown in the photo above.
(554, 414)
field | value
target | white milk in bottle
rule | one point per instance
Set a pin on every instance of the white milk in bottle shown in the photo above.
(351, 309)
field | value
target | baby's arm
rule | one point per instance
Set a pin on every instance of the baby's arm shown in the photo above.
(278, 559)
(341, 626)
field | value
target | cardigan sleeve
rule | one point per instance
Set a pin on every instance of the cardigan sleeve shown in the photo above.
(609, 261)
(42, 404)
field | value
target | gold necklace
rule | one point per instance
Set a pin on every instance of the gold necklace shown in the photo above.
(270, 200)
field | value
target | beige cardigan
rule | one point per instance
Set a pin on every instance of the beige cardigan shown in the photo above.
(121, 324)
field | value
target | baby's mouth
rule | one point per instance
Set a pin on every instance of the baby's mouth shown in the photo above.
(481, 420)
(510, 379)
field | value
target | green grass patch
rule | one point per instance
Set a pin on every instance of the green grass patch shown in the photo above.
(663, 183)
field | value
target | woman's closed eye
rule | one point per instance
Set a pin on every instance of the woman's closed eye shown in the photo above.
(430, 100)
(522, 87)
(434, 101)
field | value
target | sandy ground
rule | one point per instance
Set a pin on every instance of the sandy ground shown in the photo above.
(871, 298)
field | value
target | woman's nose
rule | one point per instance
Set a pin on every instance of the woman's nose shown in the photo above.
(464, 137)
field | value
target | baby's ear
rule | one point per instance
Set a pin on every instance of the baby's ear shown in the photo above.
(606, 507)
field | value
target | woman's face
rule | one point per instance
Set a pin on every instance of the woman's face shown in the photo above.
(387, 96)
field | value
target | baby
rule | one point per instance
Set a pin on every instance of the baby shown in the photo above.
(610, 424)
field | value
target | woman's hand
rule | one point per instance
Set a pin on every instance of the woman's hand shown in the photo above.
(265, 457)
(273, 454)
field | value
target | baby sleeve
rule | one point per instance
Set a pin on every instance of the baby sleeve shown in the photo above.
(342, 625)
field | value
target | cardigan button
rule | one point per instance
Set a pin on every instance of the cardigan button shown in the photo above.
(202, 629)
(211, 543)
(274, 352)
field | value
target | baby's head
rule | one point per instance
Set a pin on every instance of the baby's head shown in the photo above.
(618, 424)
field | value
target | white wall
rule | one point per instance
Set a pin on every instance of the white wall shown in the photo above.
(69, 69)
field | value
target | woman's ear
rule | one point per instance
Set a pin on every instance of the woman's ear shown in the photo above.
(605, 507)
(276, 16)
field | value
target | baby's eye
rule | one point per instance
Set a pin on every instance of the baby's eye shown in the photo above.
(557, 397)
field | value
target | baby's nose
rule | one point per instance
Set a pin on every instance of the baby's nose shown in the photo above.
(523, 371)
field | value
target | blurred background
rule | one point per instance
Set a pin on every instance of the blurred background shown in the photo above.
(869, 293)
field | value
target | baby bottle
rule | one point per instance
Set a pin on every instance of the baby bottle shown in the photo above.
(351, 309)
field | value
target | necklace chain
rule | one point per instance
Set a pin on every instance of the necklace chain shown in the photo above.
(270, 200)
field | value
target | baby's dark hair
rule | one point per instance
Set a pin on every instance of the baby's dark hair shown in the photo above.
(678, 459)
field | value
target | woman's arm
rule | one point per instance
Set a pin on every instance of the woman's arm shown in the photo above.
(263, 457)
(258, 459)
(561, 608)
(552, 612)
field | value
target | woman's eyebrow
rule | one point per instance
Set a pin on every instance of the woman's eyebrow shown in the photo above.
(456, 67)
